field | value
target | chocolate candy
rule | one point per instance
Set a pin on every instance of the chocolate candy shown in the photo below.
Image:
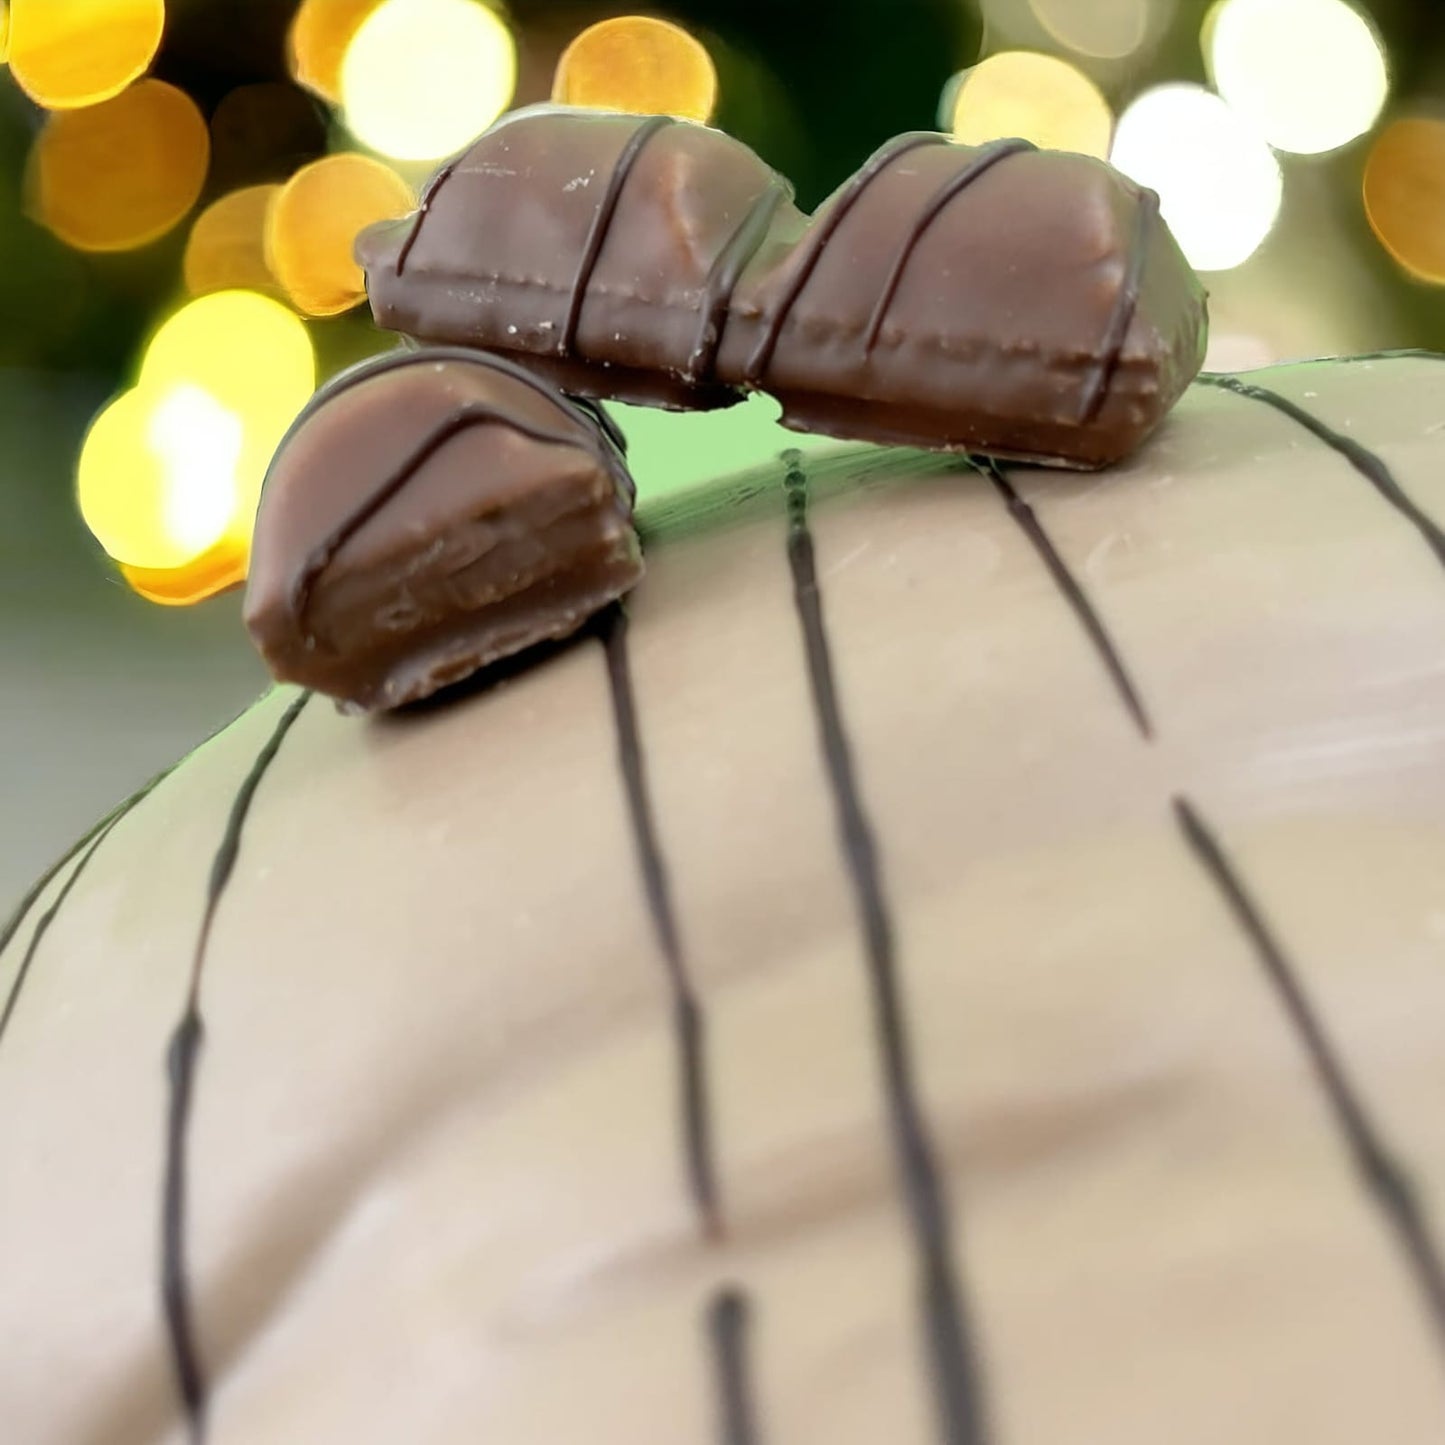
(428, 513)
(998, 299)
(601, 249)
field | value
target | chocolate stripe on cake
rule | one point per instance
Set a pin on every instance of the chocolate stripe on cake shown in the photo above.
(181, 1059)
(1073, 593)
(688, 1022)
(810, 249)
(955, 184)
(722, 278)
(32, 896)
(1381, 1173)
(91, 845)
(601, 222)
(954, 1369)
(1126, 303)
(728, 1318)
(1365, 462)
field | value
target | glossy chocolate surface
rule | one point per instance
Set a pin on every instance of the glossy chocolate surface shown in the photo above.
(428, 514)
(998, 299)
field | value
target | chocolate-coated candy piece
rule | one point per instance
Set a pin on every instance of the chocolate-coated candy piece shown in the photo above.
(428, 513)
(994, 298)
(600, 249)
(998, 298)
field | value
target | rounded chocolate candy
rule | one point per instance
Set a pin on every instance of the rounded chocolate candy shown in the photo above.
(429, 513)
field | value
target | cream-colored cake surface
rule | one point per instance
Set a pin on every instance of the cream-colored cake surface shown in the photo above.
(1061, 897)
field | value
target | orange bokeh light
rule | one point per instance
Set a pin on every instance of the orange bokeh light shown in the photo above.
(213, 572)
(1404, 192)
(119, 174)
(226, 249)
(638, 64)
(319, 36)
(313, 225)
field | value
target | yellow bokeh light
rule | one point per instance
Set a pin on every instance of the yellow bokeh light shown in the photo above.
(1308, 74)
(1037, 97)
(4, 32)
(421, 78)
(1219, 184)
(317, 41)
(312, 227)
(69, 53)
(157, 480)
(216, 570)
(640, 65)
(170, 473)
(254, 357)
(119, 174)
(1102, 29)
(226, 249)
(1404, 192)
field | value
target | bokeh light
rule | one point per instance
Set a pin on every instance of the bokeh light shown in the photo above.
(316, 44)
(216, 570)
(226, 249)
(421, 78)
(640, 65)
(1100, 29)
(1308, 74)
(1405, 194)
(157, 477)
(1038, 97)
(312, 227)
(68, 53)
(251, 353)
(119, 174)
(170, 473)
(1219, 184)
(4, 32)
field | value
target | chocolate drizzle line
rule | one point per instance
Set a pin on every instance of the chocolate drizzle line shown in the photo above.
(723, 276)
(471, 414)
(423, 207)
(810, 251)
(728, 1317)
(1365, 462)
(989, 157)
(12, 926)
(688, 1021)
(1072, 591)
(954, 1370)
(1382, 1175)
(181, 1059)
(1126, 303)
(90, 844)
(601, 223)
(588, 415)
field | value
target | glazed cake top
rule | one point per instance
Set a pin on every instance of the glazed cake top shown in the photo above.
(963, 961)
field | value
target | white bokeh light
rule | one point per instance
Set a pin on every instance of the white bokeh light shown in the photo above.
(198, 443)
(421, 78)
(1218, 181)
(1308, 74)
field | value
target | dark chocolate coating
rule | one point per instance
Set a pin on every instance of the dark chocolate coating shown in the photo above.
(997, 299)
(601, 249)
(429, 513)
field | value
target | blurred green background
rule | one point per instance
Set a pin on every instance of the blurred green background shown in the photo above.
(101, 687)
